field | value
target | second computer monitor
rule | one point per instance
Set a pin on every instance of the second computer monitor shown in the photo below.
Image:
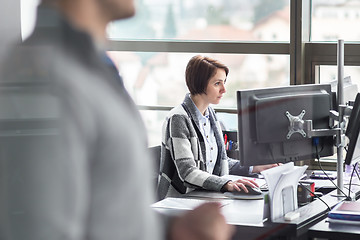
(270, 122)
(353, 133)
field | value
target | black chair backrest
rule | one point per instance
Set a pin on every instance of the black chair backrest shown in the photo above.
(155, 153)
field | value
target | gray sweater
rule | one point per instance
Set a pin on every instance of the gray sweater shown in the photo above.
(69, 166)
(183, 154)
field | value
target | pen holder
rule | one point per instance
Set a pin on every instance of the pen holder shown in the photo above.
(231, 144)
(233, 154)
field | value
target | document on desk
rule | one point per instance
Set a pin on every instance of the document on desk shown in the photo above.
(282, 183)
(345, 212)
(185, 203)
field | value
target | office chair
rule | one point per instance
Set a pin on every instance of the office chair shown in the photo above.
(155, 153)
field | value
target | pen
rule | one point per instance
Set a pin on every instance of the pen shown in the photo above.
(230, 144)
(225, 139)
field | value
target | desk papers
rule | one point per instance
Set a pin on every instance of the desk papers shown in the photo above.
(282, 182)
(185, 203)
(345, 212)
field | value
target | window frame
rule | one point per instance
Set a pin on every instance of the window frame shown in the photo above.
(299, 30)
(305, 56)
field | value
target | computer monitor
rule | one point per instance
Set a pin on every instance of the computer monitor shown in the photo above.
(350, 90)
(263, 123)
(352, 132)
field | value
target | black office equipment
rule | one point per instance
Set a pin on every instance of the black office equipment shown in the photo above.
(231, 144)
(270, 123)
(253, 190)
(352, 132)
(244, 196)
(155, 155)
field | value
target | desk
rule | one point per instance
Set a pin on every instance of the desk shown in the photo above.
(324, 229)
(243, 212)
(250, 217)
(310, 214)
(246, 215)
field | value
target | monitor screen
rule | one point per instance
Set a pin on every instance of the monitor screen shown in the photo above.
(352, 132)
(264, 118)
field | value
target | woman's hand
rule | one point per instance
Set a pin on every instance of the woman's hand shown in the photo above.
(239, 185)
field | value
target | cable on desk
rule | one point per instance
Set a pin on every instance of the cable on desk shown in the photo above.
(316, 142)
(352, 174)
(318, 197)
(357, 173)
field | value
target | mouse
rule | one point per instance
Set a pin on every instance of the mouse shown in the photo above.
(254, 193)
(253, 190)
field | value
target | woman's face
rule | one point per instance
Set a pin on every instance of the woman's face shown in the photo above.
(216, 87)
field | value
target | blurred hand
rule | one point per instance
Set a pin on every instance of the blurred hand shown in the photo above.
(239, 185)
(204, 222)
(260, 168)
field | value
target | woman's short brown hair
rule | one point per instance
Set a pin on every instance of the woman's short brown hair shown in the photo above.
(198, 72)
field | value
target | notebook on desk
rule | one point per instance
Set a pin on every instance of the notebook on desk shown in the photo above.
(317, 174)
(345, 212)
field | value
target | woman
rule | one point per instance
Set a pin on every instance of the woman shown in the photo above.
(193, 153)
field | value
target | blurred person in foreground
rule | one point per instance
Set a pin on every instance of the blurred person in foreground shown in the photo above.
(69, 168)
(193, 154)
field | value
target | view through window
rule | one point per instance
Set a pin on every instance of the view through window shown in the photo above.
(351, 81)
(157, 78)
(335, 19)
(247, 20)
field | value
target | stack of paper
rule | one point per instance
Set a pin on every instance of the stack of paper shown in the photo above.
(185, 203)
(345, 212)
(282, 182)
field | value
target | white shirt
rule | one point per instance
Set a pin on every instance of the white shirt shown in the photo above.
(209, 140)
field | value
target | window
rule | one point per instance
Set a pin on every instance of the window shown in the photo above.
(153, 48)
(336, 16)
(206, 20)
(328, 74)
(158, 78)
(260, 40)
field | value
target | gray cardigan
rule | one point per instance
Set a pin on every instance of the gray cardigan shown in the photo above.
(183, 154)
